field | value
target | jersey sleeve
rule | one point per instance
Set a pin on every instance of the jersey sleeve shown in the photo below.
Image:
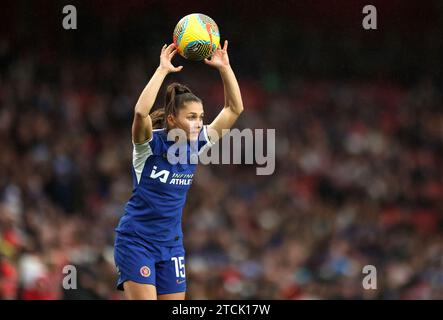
(142, 151)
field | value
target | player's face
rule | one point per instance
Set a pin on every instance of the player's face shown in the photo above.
(190, 119)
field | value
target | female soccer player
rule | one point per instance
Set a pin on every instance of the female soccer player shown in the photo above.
(149, 252)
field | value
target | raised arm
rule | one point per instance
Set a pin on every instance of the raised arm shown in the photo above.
(233, 101)
(142, 125)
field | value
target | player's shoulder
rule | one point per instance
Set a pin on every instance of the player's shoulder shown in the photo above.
(156, 134)
(159, 134)
(157, 131)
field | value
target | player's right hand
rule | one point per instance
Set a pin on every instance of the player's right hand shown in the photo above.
(166, 55)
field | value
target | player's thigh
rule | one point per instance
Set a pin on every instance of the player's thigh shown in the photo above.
(136, 268)
(139, 291)
(170, 274)
(172, 296)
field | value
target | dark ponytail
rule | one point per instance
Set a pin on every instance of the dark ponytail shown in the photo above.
(175, 98)
(158, 118)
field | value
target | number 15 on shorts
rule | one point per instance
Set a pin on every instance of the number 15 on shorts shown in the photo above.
(179, 266)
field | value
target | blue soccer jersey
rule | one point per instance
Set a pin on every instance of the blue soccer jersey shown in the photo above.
(154, 210)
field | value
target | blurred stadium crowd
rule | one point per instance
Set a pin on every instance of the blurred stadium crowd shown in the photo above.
(358, 181)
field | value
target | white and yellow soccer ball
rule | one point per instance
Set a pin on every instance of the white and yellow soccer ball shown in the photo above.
(196, 36)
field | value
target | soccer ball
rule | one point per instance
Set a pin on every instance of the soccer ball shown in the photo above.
(196, 36)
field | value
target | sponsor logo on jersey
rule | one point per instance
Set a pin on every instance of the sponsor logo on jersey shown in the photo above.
(177, 178)
(162, 175)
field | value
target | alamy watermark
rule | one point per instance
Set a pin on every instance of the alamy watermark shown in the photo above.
(249, 146)
(369, 22)
(70, 20)
(370, 280)
(70, 280)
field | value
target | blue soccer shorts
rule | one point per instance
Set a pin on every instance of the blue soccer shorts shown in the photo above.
(149, 263)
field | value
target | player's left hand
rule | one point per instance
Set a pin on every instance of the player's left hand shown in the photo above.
(219, 58)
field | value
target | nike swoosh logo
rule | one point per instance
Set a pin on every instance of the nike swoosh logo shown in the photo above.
(180, 281)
